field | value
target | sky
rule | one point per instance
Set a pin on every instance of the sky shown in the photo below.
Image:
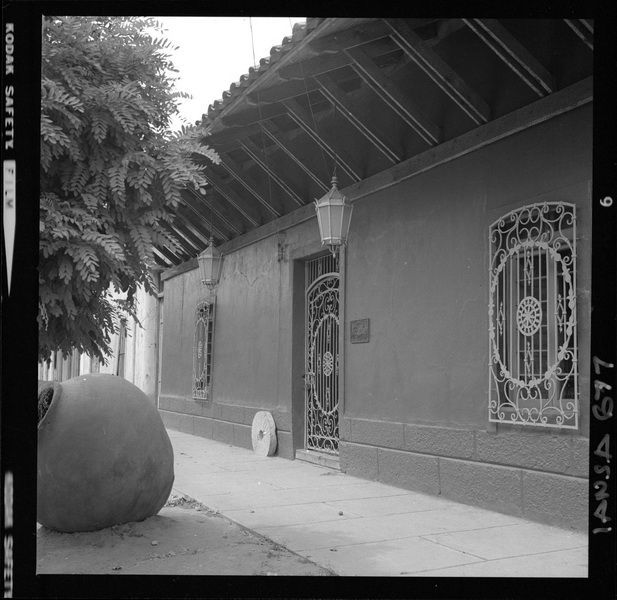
(214, 52)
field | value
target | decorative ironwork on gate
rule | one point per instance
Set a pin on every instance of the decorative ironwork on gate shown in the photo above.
(202, 350)
(532, 317)
(322, 357)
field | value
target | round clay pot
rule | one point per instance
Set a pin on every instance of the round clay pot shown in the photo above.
(104, 456)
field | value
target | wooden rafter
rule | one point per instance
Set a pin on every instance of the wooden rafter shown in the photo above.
(556, 104)
(518, 58)
(236, 172)
(444, 76)
(231, 134)
(562, 101)
(355, 36)
(331, 53)
(357, 117)
(204, 224)
(188, 232)
(190, 227)
(260, 158)
(162, 258)
(394, 97)
(245, 164)
(234, 199)
(331, 91)
(583, 29)
(188, 246)
(282, 91)
(249, 120)
(324, 139)
(252, 115)
(205, 208)
(573, 97)
(278, 137)
(445, 28)
(294, 103)
(187, 242)
(168, 255)
(587, 24)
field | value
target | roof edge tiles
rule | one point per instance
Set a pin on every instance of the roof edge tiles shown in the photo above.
(299, 33)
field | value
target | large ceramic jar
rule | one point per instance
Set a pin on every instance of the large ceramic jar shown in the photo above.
(104, 456)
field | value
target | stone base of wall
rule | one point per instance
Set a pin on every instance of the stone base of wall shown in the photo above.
(541, 476)
(227, 431)
(549, 498)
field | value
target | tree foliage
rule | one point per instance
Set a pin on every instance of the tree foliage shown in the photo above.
(110, 170)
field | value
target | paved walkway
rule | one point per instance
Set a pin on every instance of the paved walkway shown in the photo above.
(358, 527)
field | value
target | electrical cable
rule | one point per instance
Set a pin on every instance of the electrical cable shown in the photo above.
(263, 141)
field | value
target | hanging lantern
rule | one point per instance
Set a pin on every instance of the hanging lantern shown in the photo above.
(334, 218)
(210, 266)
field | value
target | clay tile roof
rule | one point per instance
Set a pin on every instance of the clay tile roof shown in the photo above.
(299, 32)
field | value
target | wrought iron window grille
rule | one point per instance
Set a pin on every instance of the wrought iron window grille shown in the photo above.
(533, 362)
(202, 350)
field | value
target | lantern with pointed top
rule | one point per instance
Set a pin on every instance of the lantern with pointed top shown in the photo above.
(334, 218)
(210, 266)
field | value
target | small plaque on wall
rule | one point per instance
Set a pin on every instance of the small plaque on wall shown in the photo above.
(359, 331)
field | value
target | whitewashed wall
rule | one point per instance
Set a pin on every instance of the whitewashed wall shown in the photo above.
(140, 356)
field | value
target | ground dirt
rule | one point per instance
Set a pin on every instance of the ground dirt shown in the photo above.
(185, 538)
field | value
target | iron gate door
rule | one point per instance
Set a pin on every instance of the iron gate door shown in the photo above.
(322, 364)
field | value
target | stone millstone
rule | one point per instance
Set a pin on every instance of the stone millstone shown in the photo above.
(104, 456)
(263, 434)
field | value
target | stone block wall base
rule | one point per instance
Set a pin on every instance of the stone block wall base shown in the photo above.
(522, 490)
(548, 498)
(226, 432)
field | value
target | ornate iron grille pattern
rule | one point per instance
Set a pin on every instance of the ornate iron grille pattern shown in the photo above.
(322, 356)
(321, 266)
(532, 317)
(202, 350)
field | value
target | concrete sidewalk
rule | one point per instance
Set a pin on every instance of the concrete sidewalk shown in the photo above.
(358, 527)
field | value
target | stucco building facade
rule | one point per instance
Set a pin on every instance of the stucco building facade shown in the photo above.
(413, 396)
(447, 348)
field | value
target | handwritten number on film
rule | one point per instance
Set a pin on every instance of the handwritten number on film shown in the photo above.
(602, 412)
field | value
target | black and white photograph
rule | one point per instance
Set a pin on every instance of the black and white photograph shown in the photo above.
(315, 297)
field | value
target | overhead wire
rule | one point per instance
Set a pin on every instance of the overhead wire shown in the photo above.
(308, 99)
(263, 141)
